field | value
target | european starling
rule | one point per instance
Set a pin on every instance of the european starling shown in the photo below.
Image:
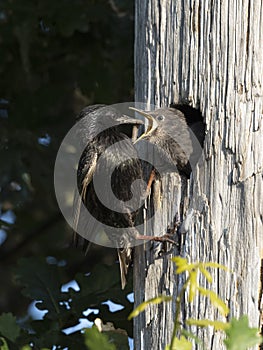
(109, 154)
(173, 139)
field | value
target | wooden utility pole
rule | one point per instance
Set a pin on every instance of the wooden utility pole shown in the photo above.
(209, 53)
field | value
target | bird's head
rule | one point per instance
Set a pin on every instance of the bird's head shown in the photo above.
(160, 120)
(178, 133)
(98, 118)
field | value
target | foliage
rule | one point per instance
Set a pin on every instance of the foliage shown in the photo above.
(180, 344)
(42, 282)
(239, 335)
(3, 344)
(8, 327)
(95, 340)
(56, 58)
(143, 305)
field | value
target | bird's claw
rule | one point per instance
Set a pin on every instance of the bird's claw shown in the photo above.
(165, 238)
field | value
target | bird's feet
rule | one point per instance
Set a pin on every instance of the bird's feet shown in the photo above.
(150, 181)
(165, 238)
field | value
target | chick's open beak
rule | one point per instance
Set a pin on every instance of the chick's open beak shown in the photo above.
(152, 123)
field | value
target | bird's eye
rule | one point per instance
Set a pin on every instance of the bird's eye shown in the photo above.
(160, 118)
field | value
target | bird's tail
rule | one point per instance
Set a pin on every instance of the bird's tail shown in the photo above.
(125, 258)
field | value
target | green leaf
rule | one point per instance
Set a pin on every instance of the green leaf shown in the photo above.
(41, 282)
(193, 285)
(240, 336)
(215, 265)
(218, 325)
(180, 344)
(180, 261)
(117, 336)
(8, 326)
(182, 264)
(120, 339)
(4, 346)
(95, 340)
(143, 305)
(206, 273)
(215, 300)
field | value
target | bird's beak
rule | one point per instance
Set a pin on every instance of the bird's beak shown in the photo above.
(152, 125)
(124, 119)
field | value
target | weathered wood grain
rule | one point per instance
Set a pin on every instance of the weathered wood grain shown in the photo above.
(209, 53)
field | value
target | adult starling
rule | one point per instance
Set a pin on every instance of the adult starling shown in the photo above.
(173, 139)
(109, 154)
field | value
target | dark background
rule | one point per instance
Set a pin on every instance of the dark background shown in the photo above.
(55, 58)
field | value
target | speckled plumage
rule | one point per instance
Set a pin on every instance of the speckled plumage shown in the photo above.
(95, 160)
(172, 134)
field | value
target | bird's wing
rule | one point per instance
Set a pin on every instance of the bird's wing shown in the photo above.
(88, 176)
(78, 198)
